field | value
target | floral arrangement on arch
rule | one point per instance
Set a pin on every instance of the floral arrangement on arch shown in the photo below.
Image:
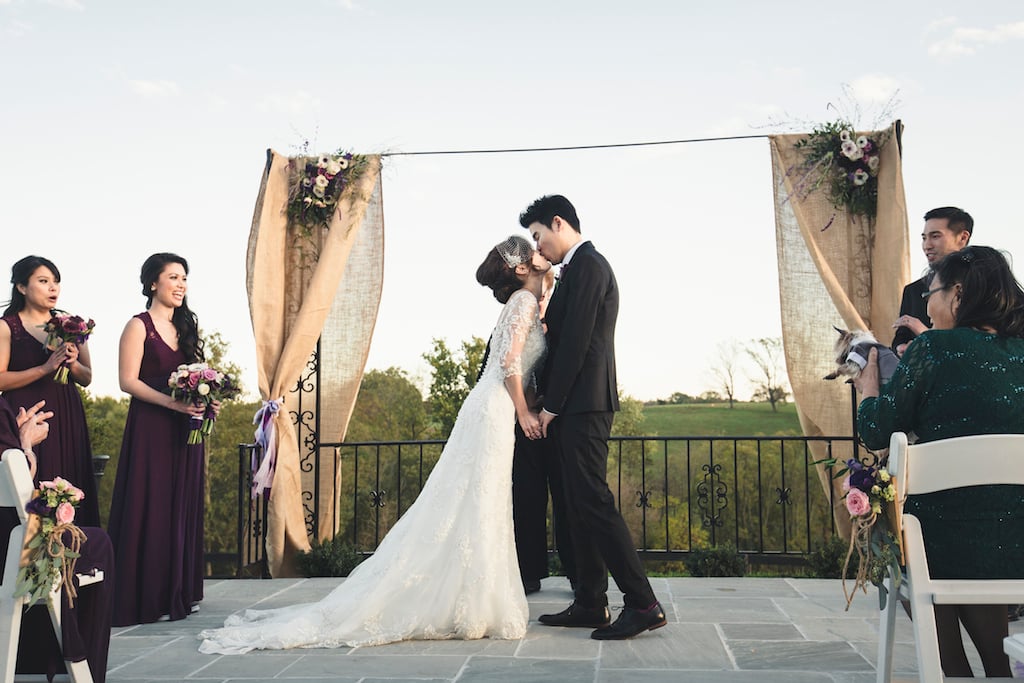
(844, 165)
(316, 184)
(50, 561)
(874, 538)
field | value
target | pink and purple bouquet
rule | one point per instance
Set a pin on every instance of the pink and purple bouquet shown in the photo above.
(50, 561)
(201, 385)
(63, 328)
(874, 538)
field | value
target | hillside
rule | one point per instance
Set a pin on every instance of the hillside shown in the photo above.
(716, 419)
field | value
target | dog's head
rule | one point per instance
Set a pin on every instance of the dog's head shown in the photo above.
(847, 340)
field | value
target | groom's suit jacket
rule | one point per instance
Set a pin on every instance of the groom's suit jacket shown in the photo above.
(579, 373)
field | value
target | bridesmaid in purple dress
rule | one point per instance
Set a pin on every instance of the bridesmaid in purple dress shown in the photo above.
(156, 515)
(26, 377)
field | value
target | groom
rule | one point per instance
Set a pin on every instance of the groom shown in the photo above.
(580, 400)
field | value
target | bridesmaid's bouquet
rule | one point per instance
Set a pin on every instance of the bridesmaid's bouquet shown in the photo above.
(201, 385)
(49, 560)
(62, 328)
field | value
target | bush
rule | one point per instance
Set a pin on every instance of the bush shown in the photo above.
(720, 561)
(328, 558)
(827, 561)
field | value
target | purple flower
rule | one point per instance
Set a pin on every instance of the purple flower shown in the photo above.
(38, 506)
(862, 479)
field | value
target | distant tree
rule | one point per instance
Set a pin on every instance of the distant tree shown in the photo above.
(216, 351)
(678, 398)
(389, 408)
(451, 379)
(711, 397)
(725, 369)
(630, 418)
(766, 353)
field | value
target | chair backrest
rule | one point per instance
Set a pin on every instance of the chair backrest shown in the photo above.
(15, 491)
(955, 463)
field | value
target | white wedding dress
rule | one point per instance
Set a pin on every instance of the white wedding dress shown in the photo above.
(447, 568)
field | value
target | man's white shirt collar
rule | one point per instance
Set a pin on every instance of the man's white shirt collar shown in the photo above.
(572, 250)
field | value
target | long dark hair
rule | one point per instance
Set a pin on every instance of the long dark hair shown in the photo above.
(20, 274)
(990, 295)
(186, 323)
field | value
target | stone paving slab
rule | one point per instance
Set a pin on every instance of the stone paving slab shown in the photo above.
(730, 630)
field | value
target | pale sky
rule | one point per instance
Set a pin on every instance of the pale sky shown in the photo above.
(133, 127)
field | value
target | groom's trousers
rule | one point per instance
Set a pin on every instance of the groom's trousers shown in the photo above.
(536, 470)
(601, 539)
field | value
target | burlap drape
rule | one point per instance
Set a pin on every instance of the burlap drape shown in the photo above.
(850, 274)
(294, 286)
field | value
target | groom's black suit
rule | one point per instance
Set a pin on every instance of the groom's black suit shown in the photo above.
(580, 388)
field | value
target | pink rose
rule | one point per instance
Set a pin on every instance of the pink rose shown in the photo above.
(209, 373)
(65, 513)
(858, 503)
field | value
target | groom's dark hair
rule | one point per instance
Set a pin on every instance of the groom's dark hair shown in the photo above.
(546, 208)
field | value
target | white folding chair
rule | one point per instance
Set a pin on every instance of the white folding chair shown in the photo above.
(926, 468)
(15, 491)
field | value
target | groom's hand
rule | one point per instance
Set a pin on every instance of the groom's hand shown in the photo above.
(546, 418)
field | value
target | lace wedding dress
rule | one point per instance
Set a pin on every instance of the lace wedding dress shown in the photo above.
(447, 568)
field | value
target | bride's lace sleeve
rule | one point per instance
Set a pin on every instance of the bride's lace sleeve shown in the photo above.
(514, 324)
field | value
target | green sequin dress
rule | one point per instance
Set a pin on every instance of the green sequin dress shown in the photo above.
(950, 383)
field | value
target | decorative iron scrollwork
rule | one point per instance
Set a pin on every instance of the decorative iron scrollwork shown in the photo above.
(377, 498)
(644, 499)
(711, 496)
(783, 496)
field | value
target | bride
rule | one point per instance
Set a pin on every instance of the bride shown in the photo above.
(447, 568)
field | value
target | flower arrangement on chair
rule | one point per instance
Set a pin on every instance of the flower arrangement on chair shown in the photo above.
(50, 560)
(870, 494)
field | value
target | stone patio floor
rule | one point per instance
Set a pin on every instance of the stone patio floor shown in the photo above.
(728, 630)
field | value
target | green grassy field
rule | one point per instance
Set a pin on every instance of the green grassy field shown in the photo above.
(716, 419)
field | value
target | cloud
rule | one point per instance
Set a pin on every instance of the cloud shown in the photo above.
(155, 88)
(66, 4)
(298, 102)
(965, 41)
(15, 28)
(874, 89)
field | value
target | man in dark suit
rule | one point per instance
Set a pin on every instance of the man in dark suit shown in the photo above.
(946, 229)
(580, 400)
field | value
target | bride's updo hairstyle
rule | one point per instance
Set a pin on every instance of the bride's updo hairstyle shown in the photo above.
(20, 273)
(185, 321)
(498, 271)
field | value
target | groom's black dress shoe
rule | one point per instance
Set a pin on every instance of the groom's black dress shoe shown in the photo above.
(632, 622)
(577, 615)
(531, 586)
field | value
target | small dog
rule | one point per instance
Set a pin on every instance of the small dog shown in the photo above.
(852, 350)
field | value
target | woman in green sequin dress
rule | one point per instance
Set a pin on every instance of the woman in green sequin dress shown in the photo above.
(963, 377)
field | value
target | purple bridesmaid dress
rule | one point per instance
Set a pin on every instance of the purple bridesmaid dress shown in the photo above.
(66, 452)
(156, 514)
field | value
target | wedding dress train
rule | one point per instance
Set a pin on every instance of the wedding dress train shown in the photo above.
(447, 568)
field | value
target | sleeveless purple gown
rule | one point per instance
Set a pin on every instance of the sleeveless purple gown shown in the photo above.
(156, 514)
(66, 451)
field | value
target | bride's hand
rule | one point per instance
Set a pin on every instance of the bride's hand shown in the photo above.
(529, 422)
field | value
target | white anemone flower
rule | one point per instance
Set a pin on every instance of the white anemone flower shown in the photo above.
(333, 167)
(862, 141)
(322, 181)
(845, 135)
(322, 162)
(319, 192)
(343, 162)
(860, 176)
(851, 151)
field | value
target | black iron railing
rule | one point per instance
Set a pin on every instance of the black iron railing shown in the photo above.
(761, 495)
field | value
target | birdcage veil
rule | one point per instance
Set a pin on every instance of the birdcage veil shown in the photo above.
(515, 250)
